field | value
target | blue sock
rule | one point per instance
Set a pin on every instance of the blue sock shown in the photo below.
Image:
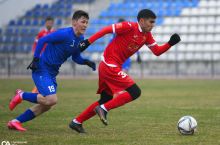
(31, 97)
(26, 116)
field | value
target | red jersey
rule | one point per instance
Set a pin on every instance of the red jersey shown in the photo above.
(128, 40)
(42, 33)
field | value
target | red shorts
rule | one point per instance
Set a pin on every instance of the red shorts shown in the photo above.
(112, 79)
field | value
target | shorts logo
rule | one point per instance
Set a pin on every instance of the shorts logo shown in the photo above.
(122, 74)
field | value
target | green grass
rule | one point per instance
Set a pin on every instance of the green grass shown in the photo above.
(150, 120)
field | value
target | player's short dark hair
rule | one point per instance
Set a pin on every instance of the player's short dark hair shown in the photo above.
(121, 20)
(80, 13)
(49, 18)
(146, 13)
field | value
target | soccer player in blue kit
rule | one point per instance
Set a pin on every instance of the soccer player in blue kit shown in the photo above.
(60, 46)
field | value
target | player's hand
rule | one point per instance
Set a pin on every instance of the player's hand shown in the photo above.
(91, 64)
(83, 45)
(33, 64)
(139, 59)
(174, 39)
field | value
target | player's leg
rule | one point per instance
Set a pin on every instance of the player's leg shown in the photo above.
(48, 88)
(117, 81)
(129, 95)
(44, 82)
(32, 112)
(39, 109)
(120, 99)
(101, 112)
(28, 115)
(16, 123)
(88, 113)
(32, 97)
(49, 100)
(76, 124)
(21, 95)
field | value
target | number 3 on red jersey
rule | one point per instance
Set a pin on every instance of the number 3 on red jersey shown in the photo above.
(122, 74)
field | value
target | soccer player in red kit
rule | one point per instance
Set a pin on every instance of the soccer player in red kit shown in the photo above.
(116, 88)
(45, 31)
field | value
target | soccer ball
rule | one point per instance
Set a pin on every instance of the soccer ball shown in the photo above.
(187, 125)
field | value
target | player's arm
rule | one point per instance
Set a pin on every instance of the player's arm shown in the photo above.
(57, 36)
(79, 60)
(118, 28)
(158, 50)
(85, 43)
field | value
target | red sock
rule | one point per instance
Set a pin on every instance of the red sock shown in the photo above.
(87, 113)
(118, 101)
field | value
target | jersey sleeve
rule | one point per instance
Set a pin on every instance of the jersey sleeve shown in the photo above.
(120, 28)
(77, 58)
(56, 37)
(101, 33)
(150, 41)
(154, 47)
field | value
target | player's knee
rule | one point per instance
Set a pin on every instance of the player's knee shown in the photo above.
(51, 101)
(40, 96)
(104, 97)
(134, 91)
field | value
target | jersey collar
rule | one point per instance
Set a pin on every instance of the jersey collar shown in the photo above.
(139, 27)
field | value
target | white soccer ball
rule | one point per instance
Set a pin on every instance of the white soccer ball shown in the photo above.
(187, 125)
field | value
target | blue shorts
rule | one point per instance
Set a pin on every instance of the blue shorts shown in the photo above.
(45, 83)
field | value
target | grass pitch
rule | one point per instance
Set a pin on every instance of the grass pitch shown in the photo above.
(150, 120)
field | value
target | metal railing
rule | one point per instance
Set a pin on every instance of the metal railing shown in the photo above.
(173, 63)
